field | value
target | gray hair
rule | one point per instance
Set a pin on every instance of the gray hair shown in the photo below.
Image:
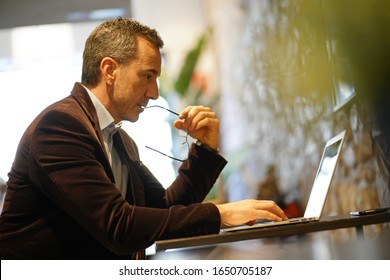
(115, 38)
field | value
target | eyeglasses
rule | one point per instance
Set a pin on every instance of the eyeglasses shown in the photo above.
(184, 145)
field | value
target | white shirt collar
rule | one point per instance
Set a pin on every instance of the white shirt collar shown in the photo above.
(106, 121)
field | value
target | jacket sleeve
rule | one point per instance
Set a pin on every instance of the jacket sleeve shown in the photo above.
(68, 165)
(197, 175)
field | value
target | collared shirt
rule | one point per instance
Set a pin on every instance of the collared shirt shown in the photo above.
(109, 128)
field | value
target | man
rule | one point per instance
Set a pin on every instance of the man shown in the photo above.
(77, 188)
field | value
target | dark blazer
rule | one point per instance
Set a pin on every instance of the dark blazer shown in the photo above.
(62, 203)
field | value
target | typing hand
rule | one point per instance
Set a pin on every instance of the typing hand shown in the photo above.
(247, 211)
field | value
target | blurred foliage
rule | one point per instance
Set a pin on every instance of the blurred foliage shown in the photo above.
(290, 59)
(362, 28)
(287, 55)
(190, 84)
(183, 81)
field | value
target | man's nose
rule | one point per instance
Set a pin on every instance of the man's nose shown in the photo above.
(152, 92)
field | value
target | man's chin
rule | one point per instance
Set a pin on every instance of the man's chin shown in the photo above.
(133, 118)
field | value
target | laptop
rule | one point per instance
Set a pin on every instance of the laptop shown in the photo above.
(319, 191)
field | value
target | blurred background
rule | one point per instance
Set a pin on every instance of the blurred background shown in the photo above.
(283, 76)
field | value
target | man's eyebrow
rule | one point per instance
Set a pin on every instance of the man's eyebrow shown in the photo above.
(154, 71)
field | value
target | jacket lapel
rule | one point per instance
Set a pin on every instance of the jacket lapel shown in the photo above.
(82, 97)
(127, 149)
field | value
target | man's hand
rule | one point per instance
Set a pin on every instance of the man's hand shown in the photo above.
(247, 211)
(201, 123)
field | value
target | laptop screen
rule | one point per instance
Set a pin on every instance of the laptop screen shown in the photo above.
(324, 176)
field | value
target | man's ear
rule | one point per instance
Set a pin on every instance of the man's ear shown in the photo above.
(108, 66)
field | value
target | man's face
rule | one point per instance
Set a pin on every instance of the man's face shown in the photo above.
(136, 82)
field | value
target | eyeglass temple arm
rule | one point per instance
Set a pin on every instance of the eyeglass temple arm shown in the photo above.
(157, 151)
(161, 107)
